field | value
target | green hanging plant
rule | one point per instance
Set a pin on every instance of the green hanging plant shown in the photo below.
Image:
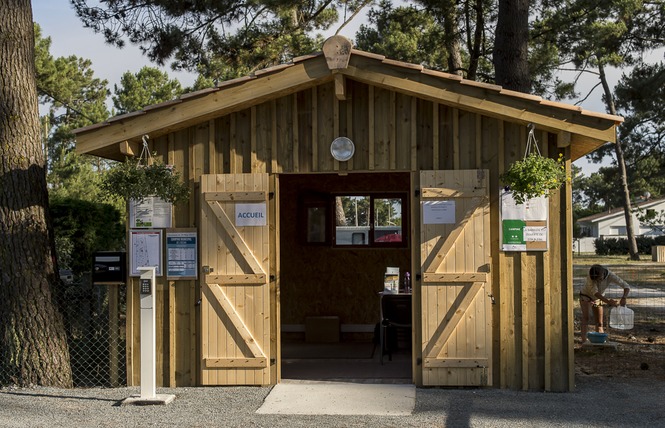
(142, 177)
(534, 175)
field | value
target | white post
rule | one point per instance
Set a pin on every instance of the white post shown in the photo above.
(148, 337)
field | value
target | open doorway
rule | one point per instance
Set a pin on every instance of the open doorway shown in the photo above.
(338, 235)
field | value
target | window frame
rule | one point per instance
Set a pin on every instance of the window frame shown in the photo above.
(402, 196)
(309, 201)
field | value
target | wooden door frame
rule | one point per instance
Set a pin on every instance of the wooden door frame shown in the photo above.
(416, 280)
(274, 281)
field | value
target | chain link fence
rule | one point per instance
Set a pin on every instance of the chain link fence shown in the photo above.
(646, 297)
(638, 352)
(94, 317)
(95, 321)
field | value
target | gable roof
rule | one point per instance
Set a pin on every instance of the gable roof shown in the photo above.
(614, 212)
(120, 135)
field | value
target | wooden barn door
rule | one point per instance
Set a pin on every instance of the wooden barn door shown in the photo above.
(235, 302)
(455, 292)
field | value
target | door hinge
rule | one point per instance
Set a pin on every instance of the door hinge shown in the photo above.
(207, 270)
(417, 193)
(419, 361)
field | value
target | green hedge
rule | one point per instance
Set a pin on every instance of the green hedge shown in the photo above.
(619, 246)
(83, 227)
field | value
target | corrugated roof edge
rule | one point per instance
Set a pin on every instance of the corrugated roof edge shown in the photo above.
(90, 127)
(162, 104)
(306, 57)
(403, 64)
(125, 116)
(442, 74)
(367, 54)
(382, 58)
(199, 93)
(273, 69)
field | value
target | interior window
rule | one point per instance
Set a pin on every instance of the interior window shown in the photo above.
(352, 220)
(388, 220)
(369, 220)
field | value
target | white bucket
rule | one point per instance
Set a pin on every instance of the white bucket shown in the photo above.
(621, 318)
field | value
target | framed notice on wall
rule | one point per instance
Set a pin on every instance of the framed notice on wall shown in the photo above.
(151, 212)
(181, 254)
(524, 226)
(145, 250)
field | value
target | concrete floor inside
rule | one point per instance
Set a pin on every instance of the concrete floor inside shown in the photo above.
(358, 362)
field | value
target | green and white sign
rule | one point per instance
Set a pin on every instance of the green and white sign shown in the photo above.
(523, 226)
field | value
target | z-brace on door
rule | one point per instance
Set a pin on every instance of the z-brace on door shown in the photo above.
(235, 303)
(455, 297)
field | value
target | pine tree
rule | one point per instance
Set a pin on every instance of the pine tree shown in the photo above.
(33, 343)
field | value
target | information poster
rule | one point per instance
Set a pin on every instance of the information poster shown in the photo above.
(524, 226)
(150, 212)
(439, 212)
(181, 254)
(145, 250)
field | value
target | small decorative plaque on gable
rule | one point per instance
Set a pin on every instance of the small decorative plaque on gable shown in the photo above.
(337, 50)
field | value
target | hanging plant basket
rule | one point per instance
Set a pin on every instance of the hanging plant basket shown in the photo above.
(136, 179)
(534, 175)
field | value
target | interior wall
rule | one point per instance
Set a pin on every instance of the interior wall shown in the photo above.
(321, 280)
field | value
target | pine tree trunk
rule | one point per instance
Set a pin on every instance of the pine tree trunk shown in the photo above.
(33, 343)
(475, 43)
(618, 150)
(451, 29)
(511, 46)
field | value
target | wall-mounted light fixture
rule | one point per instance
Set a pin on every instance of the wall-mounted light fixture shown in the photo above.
(342, 149)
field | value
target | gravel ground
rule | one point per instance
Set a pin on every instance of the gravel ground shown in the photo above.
(597, 402)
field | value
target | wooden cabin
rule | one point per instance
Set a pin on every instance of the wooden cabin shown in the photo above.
(430, 144)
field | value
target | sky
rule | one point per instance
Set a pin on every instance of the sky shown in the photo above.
(68, 37)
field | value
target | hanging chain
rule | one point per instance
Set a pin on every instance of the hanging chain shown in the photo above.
(145, 156)
(531, 142)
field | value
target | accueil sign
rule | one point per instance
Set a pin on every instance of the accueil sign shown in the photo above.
(251, 214)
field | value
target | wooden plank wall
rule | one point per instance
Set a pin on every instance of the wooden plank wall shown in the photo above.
(532, 317)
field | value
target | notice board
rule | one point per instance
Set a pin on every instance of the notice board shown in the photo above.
(181, 254)
(524, 227)
(145, 250)
(151, 212)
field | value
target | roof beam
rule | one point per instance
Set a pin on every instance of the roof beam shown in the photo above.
(491, 103)
(214, 104)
